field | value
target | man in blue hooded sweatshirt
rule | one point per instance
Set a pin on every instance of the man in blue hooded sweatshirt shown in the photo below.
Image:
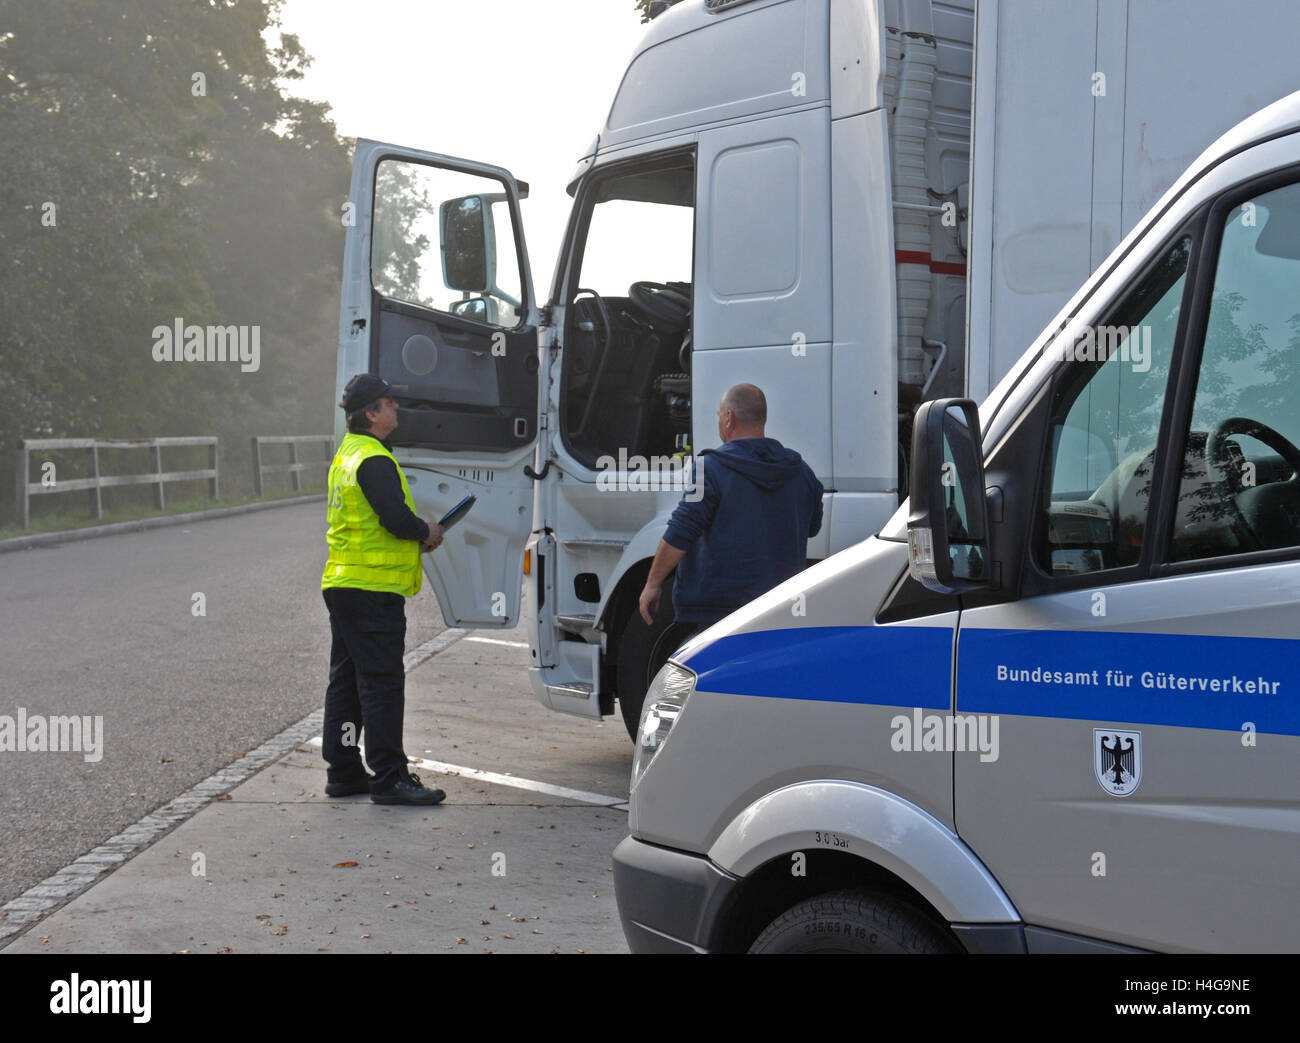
(749, 531)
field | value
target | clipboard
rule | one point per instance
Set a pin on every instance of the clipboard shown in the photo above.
(457, 513)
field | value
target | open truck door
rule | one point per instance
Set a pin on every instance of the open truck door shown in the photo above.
(438, 300)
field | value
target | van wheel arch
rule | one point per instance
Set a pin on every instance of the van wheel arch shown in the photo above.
(773, 890)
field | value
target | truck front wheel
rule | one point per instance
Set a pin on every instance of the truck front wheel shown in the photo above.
(853, 921)
(642, 650)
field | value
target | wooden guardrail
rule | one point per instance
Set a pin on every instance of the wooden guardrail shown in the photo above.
(97, 482)
(294, 466)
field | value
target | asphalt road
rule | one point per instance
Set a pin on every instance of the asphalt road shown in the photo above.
(107, 627)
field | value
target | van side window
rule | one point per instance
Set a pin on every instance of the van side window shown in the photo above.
(1240, 489)
(1105, 424)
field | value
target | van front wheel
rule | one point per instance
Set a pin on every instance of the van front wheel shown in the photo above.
(853, 921)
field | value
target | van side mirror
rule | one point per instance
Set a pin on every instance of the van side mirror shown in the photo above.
(468, 243)
(947, 529)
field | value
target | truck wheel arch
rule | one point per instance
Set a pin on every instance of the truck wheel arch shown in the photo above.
(627, 577)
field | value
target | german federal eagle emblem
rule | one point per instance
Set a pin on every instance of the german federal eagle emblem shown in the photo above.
(1117, 756)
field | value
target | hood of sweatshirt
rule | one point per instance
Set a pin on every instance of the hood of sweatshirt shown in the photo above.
(764, 461)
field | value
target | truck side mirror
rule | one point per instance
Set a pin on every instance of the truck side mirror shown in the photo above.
(468, 244)
(947, 529)
(480, 309)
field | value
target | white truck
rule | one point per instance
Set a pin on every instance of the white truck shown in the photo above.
(784, 192)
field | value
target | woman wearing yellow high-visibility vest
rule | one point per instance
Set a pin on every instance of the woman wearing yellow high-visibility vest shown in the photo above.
(375, 539)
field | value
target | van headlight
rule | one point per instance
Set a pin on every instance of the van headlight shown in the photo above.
(664, 700)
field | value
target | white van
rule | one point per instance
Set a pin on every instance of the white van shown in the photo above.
(784, 192)
(1054, 705)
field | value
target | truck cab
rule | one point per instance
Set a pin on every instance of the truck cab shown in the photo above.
(1054, 705)
(777, 196)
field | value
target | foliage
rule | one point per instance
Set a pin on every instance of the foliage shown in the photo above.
(643, 8)
(136, 192)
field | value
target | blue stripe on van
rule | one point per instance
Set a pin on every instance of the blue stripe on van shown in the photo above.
(1270, 666)
(884, 665)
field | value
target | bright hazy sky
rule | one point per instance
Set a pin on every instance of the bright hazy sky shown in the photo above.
(525, 84)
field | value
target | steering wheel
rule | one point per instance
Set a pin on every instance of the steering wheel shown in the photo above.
(665, 305)
(1259, 508)
(1216, 444)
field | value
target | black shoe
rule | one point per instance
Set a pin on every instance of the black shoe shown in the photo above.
(349, 787)
(409, 791)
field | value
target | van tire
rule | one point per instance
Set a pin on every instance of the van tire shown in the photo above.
(642, 650)
(853, 921)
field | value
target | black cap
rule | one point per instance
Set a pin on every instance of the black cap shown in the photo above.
(363, 389)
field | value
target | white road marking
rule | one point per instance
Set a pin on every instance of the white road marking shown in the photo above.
(506, 779)
(498, 641)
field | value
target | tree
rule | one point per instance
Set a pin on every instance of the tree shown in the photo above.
(155, 169)
(644, 7)
(397, 247)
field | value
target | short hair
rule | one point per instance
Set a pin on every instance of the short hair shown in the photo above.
(748, 403)
(358, 422)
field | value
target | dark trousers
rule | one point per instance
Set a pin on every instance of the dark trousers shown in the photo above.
(367, 687)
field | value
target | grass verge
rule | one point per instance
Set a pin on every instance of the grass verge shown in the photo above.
(63, 521)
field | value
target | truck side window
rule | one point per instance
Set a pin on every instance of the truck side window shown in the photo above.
(1105, 423)
(1240, 489)
(627, 348)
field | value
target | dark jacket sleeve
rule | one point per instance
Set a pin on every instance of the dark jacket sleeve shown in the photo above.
(382, 486)
(816, 525)
(691, 520)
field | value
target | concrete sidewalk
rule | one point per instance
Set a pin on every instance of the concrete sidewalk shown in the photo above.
(275, 866)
